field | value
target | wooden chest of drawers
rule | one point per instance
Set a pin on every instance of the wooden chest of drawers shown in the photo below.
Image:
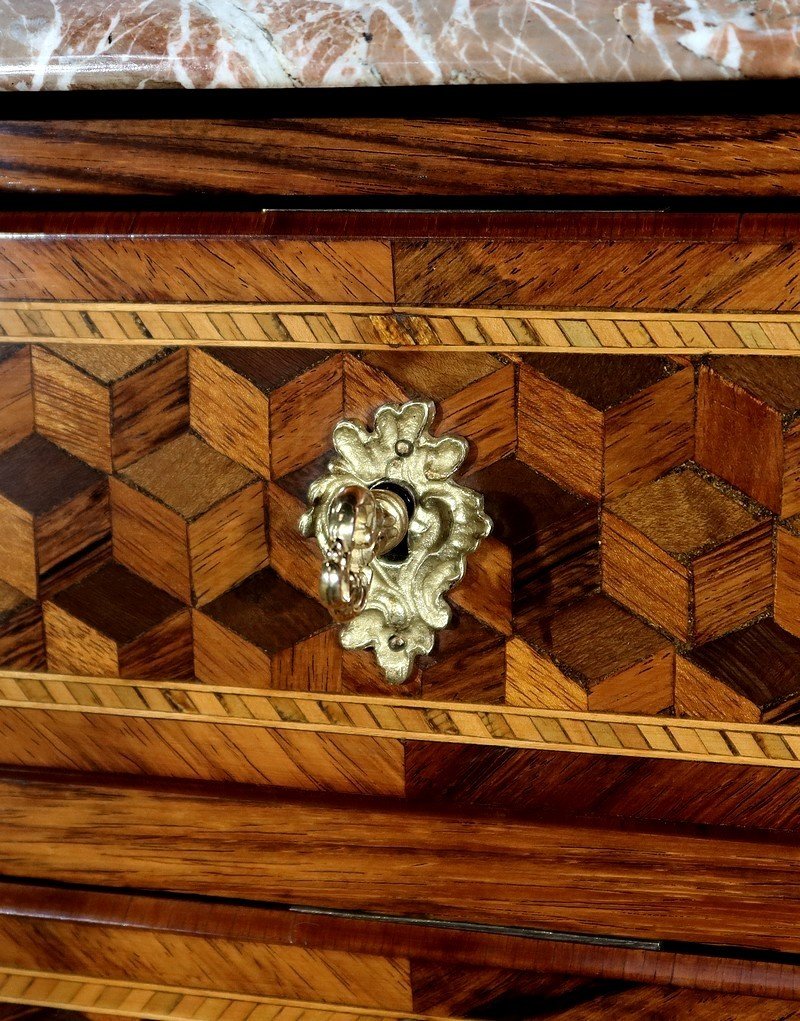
(583, 802)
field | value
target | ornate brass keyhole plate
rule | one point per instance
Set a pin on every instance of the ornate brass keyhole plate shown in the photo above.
(393, 605)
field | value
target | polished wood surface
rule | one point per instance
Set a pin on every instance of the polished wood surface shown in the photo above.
(684, 262)
(704, 155)
(143, 268)
(614, 787)
(149, 498)
(142, 938)
(496, 867)
(121, 742)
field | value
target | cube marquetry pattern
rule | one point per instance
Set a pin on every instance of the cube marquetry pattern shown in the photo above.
(645, 555)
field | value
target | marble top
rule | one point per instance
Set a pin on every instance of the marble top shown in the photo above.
(202, 44)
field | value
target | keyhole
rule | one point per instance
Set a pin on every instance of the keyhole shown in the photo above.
(400, 552)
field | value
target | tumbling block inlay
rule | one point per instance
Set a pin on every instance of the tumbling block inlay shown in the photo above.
(543, 549)
(473, 392)
(21, 631)
(270, 409)
(54, 516)
(16, 394)
(114, 624)
(787, 575)
(749, 676)
(748, 427)
(189, 520)
(265, 634)
(590, 655)
(604, 426)
(207, 512)
(687, 557)
(110, 405)
(228, 409)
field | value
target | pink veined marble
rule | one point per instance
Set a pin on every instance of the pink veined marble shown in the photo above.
(128, 44)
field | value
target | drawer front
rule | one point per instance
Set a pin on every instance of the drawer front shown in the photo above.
(643, 559)
(635, 449)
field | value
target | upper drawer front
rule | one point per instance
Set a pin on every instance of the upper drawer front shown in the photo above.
(156, 460)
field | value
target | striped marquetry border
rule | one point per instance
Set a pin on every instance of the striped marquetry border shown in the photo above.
(379, 326)
(460, 723)
(167, 1003)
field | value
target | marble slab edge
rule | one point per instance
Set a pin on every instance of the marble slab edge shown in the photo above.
(206, 44)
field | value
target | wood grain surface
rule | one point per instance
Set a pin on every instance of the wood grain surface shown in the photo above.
(478, 865)
(47, 928)
(613, 787)
(50, 996)
(125, 744)
(678, 154)
(144, 269)
(668, 262)
(596, 274)
(256, 959)
(75, 998)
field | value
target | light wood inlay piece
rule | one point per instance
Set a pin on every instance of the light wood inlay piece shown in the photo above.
(189, 520)
(110, 405)
(603, 427)
(402, 716)
(688, 557)
(16, 395)
(376, 327)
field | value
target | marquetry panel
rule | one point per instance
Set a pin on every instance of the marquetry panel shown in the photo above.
(632, 567)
